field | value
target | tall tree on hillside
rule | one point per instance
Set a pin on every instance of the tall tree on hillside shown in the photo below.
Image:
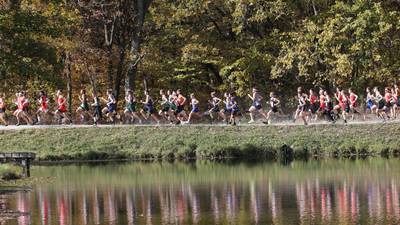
(33, 36)
(353, 44)
(139, 10)
(120, 23)
(220, 45)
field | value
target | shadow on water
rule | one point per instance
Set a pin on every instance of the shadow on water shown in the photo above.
(285, 156)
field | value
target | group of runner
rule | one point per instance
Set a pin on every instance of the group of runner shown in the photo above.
(311, 106)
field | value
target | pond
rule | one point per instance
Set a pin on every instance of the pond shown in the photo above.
(302, 192)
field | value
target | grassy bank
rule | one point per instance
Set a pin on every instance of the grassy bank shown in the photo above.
(9, 172)
(135, 142)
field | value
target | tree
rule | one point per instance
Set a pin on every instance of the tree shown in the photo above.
(357, 42)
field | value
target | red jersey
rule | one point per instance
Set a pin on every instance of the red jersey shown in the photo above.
(388, 97)
(25, 104)
(353, 99)
(43, 102)
(313, 99)
(180, 100)
(61, 104)
(341, 99)
(322, 104)
(20, 103)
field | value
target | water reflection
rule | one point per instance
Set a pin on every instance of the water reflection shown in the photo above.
(310, 200)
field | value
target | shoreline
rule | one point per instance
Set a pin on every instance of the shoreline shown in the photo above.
(210, 142)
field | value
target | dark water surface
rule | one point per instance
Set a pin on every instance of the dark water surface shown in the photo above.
(313, 192)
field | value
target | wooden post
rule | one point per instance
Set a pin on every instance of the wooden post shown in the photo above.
(28, 168)
(26, 172)
(21, 159)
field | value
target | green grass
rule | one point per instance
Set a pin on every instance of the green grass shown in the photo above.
(9, 172)
(203, 141)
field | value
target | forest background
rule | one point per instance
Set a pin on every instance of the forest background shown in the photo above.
(197, 45)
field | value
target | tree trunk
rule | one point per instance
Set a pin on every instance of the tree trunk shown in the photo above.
(67, 64)
(15, 4)
(214, 70)
(110, 66)
(314, 8)
(120, 70)
(132, 67)
(141, 9)
(92, 79)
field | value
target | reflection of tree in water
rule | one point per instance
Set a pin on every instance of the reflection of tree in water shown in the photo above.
(7, 214)
(308, 201)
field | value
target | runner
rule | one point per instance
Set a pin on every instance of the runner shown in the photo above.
(195, 108)
(380, 110)
(343, 105)
(313, 99)
(322, 104)
(256, 105)
(214, 105)
(61, 111)
(97, 113)
(180, 104)
(43, 108)
(228, 108)
(395, 100)
(172, 98)
(328, 107)
(26, 109)
(235, 110)
(3, 110)
(130, 108)
(83, 108)
(148, 108)
(20, 112)
(165, 106)
(16, 113)
(370, 103)
(274, 103)
(338, 104)
(303, 108)
(111, 106)
(397, 97)
(389, 102)
(354, 109)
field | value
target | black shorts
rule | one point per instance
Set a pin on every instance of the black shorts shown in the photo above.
(274, 109)
(149, 109)
(227, 111)
(381, 104)
(347, 108)
(314, 108)
(258, 107)
(2, 110)
(179, 109)
(215, 109)
(97, 111)
(165, 108)
(235, 112)
(304, 108)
